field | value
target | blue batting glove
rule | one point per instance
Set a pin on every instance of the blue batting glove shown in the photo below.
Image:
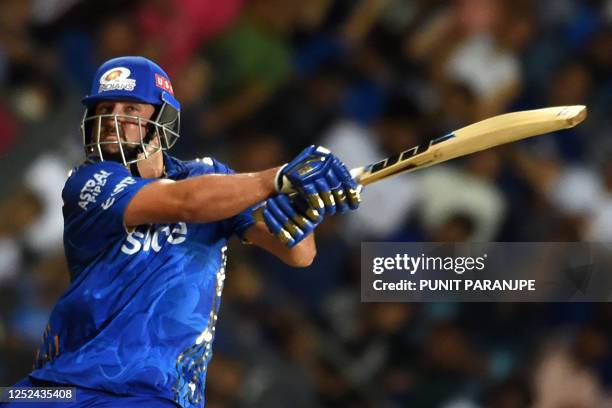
(322, 179)
(288, 220)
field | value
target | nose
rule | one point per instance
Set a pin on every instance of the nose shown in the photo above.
(116, 109)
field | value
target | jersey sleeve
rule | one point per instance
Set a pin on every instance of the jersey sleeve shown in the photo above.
(238, 224)
(95, 198)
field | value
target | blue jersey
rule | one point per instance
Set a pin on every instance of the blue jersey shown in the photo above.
(139, 315)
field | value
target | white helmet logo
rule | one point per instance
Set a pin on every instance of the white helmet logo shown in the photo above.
(117, 79)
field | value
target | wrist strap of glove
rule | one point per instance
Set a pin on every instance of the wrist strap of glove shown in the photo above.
(282, 183)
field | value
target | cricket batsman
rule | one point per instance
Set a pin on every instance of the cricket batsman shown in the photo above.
(145, 238)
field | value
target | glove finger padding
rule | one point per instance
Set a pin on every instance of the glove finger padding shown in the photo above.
(276, 221)
(326, 195)
(282, 209)
(295, 217)
(353, 196)
(338, 194)
(350, 186)
(311, 194)
(286, 220)
(303, 207)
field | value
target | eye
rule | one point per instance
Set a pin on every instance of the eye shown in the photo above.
(103, 109)
(131, 109)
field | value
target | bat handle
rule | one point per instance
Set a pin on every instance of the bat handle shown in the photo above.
(357, 173)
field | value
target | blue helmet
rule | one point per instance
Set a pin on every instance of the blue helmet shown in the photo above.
(137, 79)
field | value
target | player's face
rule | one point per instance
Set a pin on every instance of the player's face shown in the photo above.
(126, 128)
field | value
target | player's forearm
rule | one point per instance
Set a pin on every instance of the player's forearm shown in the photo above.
(216, 197)
(300, 255)
(205, 198)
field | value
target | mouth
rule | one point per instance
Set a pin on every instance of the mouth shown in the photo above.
(109, 143)
(109, 136)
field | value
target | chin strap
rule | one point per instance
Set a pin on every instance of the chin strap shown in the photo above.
(134, 170)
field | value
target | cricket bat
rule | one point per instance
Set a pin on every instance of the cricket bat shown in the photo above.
(473, 138)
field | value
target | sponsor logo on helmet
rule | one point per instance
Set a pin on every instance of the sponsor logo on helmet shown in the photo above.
(163, 83)
(116, 79)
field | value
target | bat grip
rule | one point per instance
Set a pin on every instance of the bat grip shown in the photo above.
(357, 174)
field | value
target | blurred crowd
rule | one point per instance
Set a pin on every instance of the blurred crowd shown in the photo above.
(259, 80)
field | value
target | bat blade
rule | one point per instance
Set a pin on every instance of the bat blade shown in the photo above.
(478, 136)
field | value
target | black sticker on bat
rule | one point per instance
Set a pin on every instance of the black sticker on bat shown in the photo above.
(406, 154)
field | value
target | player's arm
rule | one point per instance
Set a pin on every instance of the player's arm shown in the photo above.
(301, 255)
(285, 227)
(205, 198)
(315, 174)
(286, 223)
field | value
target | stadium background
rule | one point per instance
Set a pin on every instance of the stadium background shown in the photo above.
(259, 80)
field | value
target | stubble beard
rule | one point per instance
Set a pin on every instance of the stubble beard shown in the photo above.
(112, 151)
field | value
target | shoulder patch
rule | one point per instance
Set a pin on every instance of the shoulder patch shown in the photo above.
(92, 187)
